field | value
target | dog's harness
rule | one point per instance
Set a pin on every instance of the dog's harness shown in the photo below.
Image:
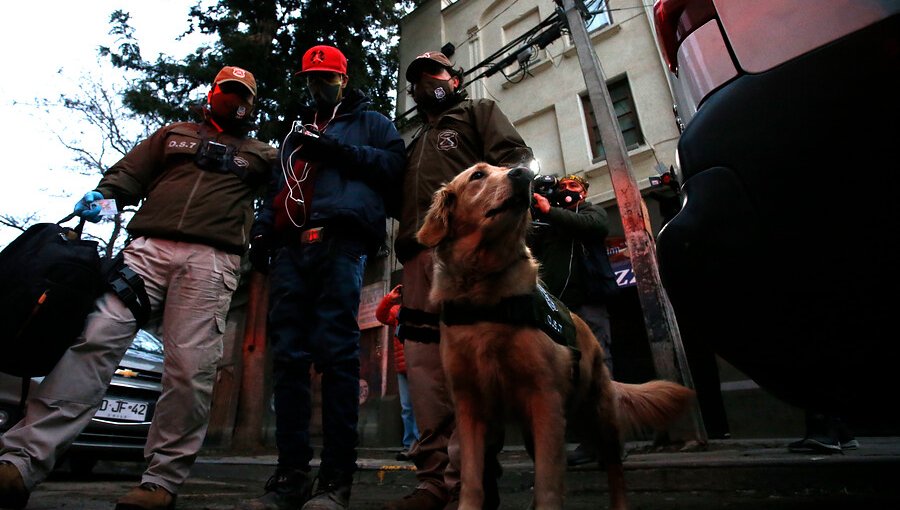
(426, 334)
(539, 309)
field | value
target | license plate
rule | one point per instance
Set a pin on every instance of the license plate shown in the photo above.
(121, 409)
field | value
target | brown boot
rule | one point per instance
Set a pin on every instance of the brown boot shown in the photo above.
(13, 493)
(147, 496)
(420, 499)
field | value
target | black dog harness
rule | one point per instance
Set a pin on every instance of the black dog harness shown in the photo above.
(539, 309)
(427, 333)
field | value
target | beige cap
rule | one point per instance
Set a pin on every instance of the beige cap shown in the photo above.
(232, 73)
(415, 67)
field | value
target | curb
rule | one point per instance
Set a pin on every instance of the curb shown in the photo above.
(725, 465)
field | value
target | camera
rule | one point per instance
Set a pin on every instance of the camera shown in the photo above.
(214, 156)
(545, 186)
(303, 130)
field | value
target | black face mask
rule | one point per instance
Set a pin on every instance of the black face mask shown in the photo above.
(432, 93)
(567, 198)
(326, 95)
(229, 110)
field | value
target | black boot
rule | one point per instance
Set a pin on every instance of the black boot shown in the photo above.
(287, 489)
(332, 493)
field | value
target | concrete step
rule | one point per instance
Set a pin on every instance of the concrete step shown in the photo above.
(724, 465)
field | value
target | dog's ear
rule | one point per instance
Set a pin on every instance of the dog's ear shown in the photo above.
(437, 221)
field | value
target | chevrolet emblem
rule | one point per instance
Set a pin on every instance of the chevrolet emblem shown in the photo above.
(124, 372)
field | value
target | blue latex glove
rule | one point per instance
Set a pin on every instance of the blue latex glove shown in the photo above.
(88, 207)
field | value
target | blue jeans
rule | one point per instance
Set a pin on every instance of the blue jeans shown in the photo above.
(313, 306)
(410, 432)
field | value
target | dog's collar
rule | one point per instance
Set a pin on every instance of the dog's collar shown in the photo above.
(539, 309)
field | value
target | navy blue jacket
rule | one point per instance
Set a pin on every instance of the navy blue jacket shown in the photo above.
(356, 196)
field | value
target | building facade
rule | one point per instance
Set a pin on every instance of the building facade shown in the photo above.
(508, 56)
(544, 94)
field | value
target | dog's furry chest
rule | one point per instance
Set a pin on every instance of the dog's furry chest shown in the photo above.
(495, 361)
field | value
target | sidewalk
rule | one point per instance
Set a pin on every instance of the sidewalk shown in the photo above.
(731, 474)
(724, 465)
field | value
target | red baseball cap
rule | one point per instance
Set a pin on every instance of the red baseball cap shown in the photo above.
(324, 58)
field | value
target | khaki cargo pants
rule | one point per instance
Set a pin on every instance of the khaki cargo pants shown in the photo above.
(190, 287)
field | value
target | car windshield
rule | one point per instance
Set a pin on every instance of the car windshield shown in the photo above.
(146, 342)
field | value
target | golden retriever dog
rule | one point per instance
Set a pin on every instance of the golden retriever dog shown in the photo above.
(498, 369)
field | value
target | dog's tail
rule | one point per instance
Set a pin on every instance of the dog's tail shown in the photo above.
(653, 404)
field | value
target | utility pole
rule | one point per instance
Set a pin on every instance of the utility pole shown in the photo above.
(669, 357)
(252, 403)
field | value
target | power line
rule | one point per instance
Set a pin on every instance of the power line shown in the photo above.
(544, 38)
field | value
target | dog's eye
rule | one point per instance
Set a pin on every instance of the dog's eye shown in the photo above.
(478, 174)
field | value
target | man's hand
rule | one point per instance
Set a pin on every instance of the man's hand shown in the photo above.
(89, 206)
(541, 203)
(319, 148)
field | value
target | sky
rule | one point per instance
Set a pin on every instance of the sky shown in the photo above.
(46, 49)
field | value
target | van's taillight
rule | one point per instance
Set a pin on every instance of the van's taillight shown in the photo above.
(675, 20)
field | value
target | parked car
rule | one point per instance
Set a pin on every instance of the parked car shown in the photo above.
(783, 259)
(119, 429)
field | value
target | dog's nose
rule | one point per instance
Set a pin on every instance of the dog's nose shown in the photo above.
(521, 172)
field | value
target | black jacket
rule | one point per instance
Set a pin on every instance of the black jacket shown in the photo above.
(354, 195)
(571, 248)
(468, 132)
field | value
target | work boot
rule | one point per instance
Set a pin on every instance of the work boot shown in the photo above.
(13, 493)
(419, 499)
(330, 494)
(147, 496)
(287, 489)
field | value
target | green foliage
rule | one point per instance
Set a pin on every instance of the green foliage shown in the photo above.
(267, 37)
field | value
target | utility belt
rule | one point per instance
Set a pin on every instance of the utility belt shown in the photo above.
(343, 233)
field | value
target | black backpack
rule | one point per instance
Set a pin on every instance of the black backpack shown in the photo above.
(49, 281)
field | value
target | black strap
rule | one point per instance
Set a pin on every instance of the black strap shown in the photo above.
(539, 309)
(416, 334)
(126, 283)
(414, 316)
(129, 286)
(78, 228)
(510, 310)
(244, 174)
